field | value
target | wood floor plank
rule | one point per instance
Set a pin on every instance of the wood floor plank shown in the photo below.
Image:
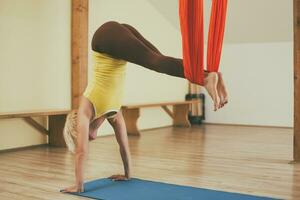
(249, 160)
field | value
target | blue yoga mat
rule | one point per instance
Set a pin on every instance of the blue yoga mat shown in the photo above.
(137, 189)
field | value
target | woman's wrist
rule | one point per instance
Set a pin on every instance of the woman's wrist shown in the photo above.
(127, 175)
(79, 183)
(80, 187)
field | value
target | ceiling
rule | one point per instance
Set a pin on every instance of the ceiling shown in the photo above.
(247, 20)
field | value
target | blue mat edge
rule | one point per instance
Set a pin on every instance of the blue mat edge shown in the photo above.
(82, 195)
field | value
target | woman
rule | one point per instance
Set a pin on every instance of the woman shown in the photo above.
(114, 44)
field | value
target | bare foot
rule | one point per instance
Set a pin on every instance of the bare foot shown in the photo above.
(222, 90)
(210, 84)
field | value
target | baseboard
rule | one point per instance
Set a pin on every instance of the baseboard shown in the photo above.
(246, 125)
(23, 148)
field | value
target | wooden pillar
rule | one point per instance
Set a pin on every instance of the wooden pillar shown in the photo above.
(297, 80)
(79, 56)
(79, 49)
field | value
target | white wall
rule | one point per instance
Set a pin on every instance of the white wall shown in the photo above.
(257, 60)
(259, 77)
(34, 54)
(257, 64)
(17, 133)
(142, 85)
(35, 61)
(247, 20)
(34, 64)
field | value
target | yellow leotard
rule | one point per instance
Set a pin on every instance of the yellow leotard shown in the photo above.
(105, 89)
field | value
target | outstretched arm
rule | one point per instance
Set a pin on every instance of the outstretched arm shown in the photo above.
(83, 121)
(119, 127)
(80, 157)
(81, 153)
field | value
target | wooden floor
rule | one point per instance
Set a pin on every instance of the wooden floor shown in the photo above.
(250, 160)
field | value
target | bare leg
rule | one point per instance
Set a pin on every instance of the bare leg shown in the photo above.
(119, 127)
(210, 84)
(222, 91)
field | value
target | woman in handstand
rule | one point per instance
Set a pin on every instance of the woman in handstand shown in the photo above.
(113, 45)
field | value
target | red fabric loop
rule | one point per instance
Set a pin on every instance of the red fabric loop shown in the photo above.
(191, 24)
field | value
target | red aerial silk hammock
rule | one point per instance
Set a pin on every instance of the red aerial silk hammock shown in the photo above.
(191, 24)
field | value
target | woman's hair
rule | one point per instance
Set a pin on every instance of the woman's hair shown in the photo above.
(70, 130)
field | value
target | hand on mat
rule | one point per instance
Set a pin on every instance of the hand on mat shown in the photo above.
(119, 178)
(73, 189)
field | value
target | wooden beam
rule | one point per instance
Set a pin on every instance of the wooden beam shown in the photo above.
(168, 111)
(79, 49)
(36, 125)
(161, 104)
(33, 113)
(297, 80)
